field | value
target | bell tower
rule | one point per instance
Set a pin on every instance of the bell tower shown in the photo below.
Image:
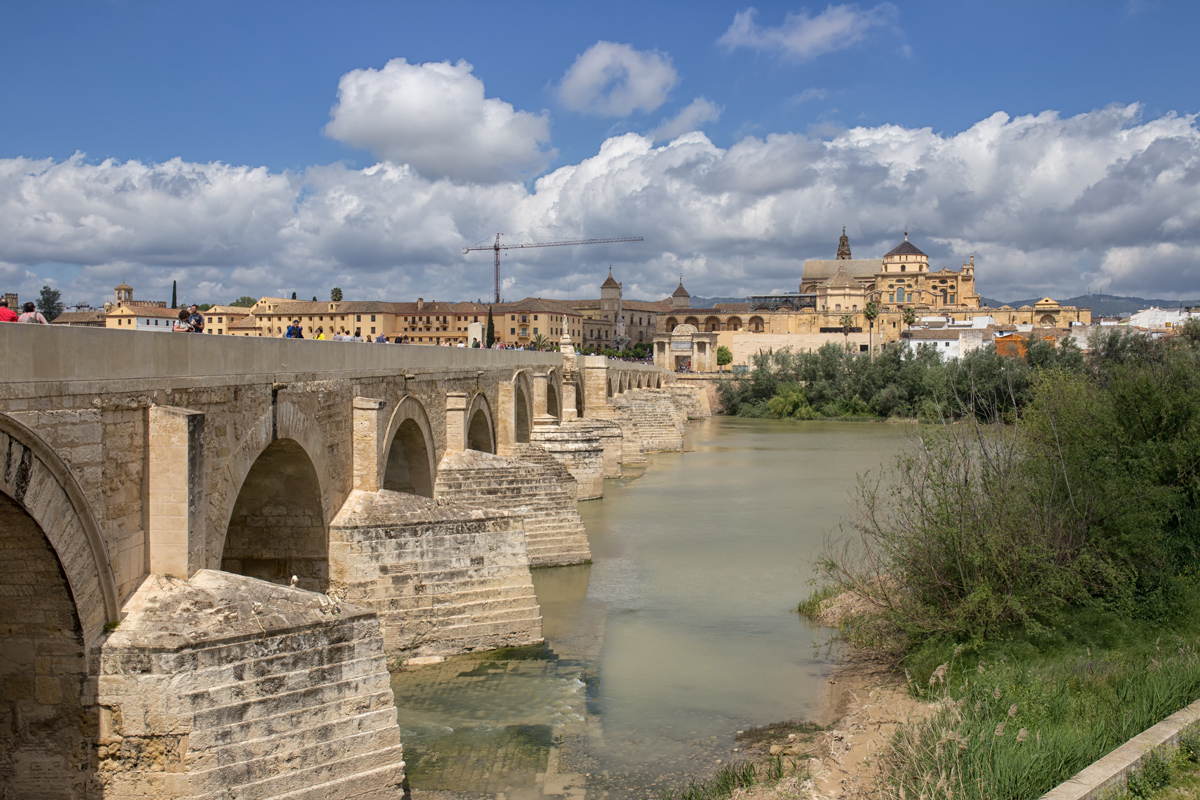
(843, 253)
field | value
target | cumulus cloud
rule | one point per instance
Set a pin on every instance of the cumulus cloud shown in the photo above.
(615, 80)
(694, 115)
(1049, 205)
(802, 37)
(436, 118)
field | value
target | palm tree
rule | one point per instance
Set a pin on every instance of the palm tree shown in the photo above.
(540, 342)
(335, 295)
(847, 322)
(871, 313)
(910, 317)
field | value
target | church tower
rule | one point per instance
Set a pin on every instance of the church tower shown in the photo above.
(843, 253)
(681, 298)
(123, 294)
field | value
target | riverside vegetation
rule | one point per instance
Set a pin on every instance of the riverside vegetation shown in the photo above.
(1031, 563)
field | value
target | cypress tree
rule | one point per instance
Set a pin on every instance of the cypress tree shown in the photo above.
(491, 330)
(174, 301)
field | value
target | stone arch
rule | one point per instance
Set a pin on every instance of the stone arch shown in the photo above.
(579, 400)
(522, 406)
(1047, 320)
(480, 429)
(410, 465)
(41, 485)
(611, 382)
(733, 324)
(671, 323)
(287, 421)
(695, 323)
(59, 592)
(552, 404)
(712, 324)
(277, 526)
(756, 325)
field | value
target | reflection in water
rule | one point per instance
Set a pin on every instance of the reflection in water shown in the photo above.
(681, 632)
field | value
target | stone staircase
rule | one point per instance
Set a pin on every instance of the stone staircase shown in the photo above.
(444, 578)
(529, 484)
(658, 418)
(576, 447)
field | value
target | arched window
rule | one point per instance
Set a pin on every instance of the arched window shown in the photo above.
(900, 294)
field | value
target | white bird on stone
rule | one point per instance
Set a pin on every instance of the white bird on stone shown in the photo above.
(295, 580)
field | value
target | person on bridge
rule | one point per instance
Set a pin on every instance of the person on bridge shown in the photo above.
(6, 313)
(320, 335)
(196, 319)
(381, 339)
(32, 315)
(294, 331)
(183, 324)
(357, 337)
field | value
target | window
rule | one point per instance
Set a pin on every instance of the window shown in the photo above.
(903, 267)
(358, 317)
(513, 318)
(372, 328)
(512, 331)
(535, 333)
(372, 320)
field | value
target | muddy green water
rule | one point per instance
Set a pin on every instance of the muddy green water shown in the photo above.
(681, 632)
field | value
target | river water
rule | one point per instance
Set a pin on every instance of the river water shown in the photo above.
(681, 632)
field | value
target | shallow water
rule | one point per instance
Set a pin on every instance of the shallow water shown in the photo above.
(681, 632)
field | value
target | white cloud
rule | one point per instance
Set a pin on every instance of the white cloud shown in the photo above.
(809, 94)
(1047, 204)
(615, 80)
(804, 37)
(694, 115)
(435, 118)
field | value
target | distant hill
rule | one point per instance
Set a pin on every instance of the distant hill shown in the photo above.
(709, 302)
(1102, 305)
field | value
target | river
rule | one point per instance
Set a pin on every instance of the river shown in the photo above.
(681, 632)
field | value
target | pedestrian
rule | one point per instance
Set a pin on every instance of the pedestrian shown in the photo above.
(337, 337)
(32, 315)
(196, 319)
(381, 339)
(320, 337)
(357, 337)
(6, 313)
(183, 324)
(294, 331)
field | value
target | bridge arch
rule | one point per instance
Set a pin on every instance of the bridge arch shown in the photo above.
(579, 398)
(522, 406)
(553, 395)
(276, 507)
(40, 484)
(481, 431)
(59, 592)
(410, 465)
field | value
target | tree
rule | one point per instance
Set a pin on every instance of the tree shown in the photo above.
(174, 294)
(847, 322)
(49, 302)
(203, 306)
(314, 298)
(871, 313)
(540, 342)
(491, 329)
(245, 301)
(293, 295)
(724, 356)
(335, 294)
(910, 317)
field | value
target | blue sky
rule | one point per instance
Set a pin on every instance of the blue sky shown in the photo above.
(263, 148)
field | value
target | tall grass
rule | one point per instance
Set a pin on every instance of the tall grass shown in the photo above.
(1011, 730)
(730, 778)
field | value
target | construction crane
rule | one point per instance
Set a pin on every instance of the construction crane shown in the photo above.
(497, 247)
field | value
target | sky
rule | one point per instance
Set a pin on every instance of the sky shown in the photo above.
(264, 148)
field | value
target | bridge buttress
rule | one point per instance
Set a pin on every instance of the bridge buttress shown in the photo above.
(370, 426)
(456, 421)
(541, 414)
(176, 503)
(568, 409)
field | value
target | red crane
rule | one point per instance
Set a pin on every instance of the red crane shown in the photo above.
(497, 247)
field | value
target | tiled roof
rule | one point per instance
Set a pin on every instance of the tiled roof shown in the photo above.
(680, 292)
(538, 304)
(817, 271)
(842, 280)
(610, 283)
(79, 318)
(905, 248)
(248, 322)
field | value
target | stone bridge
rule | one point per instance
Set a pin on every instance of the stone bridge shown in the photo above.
(214, 545)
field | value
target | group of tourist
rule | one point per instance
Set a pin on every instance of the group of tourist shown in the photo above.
(190, 320)
(29, 313)
(296, 331)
